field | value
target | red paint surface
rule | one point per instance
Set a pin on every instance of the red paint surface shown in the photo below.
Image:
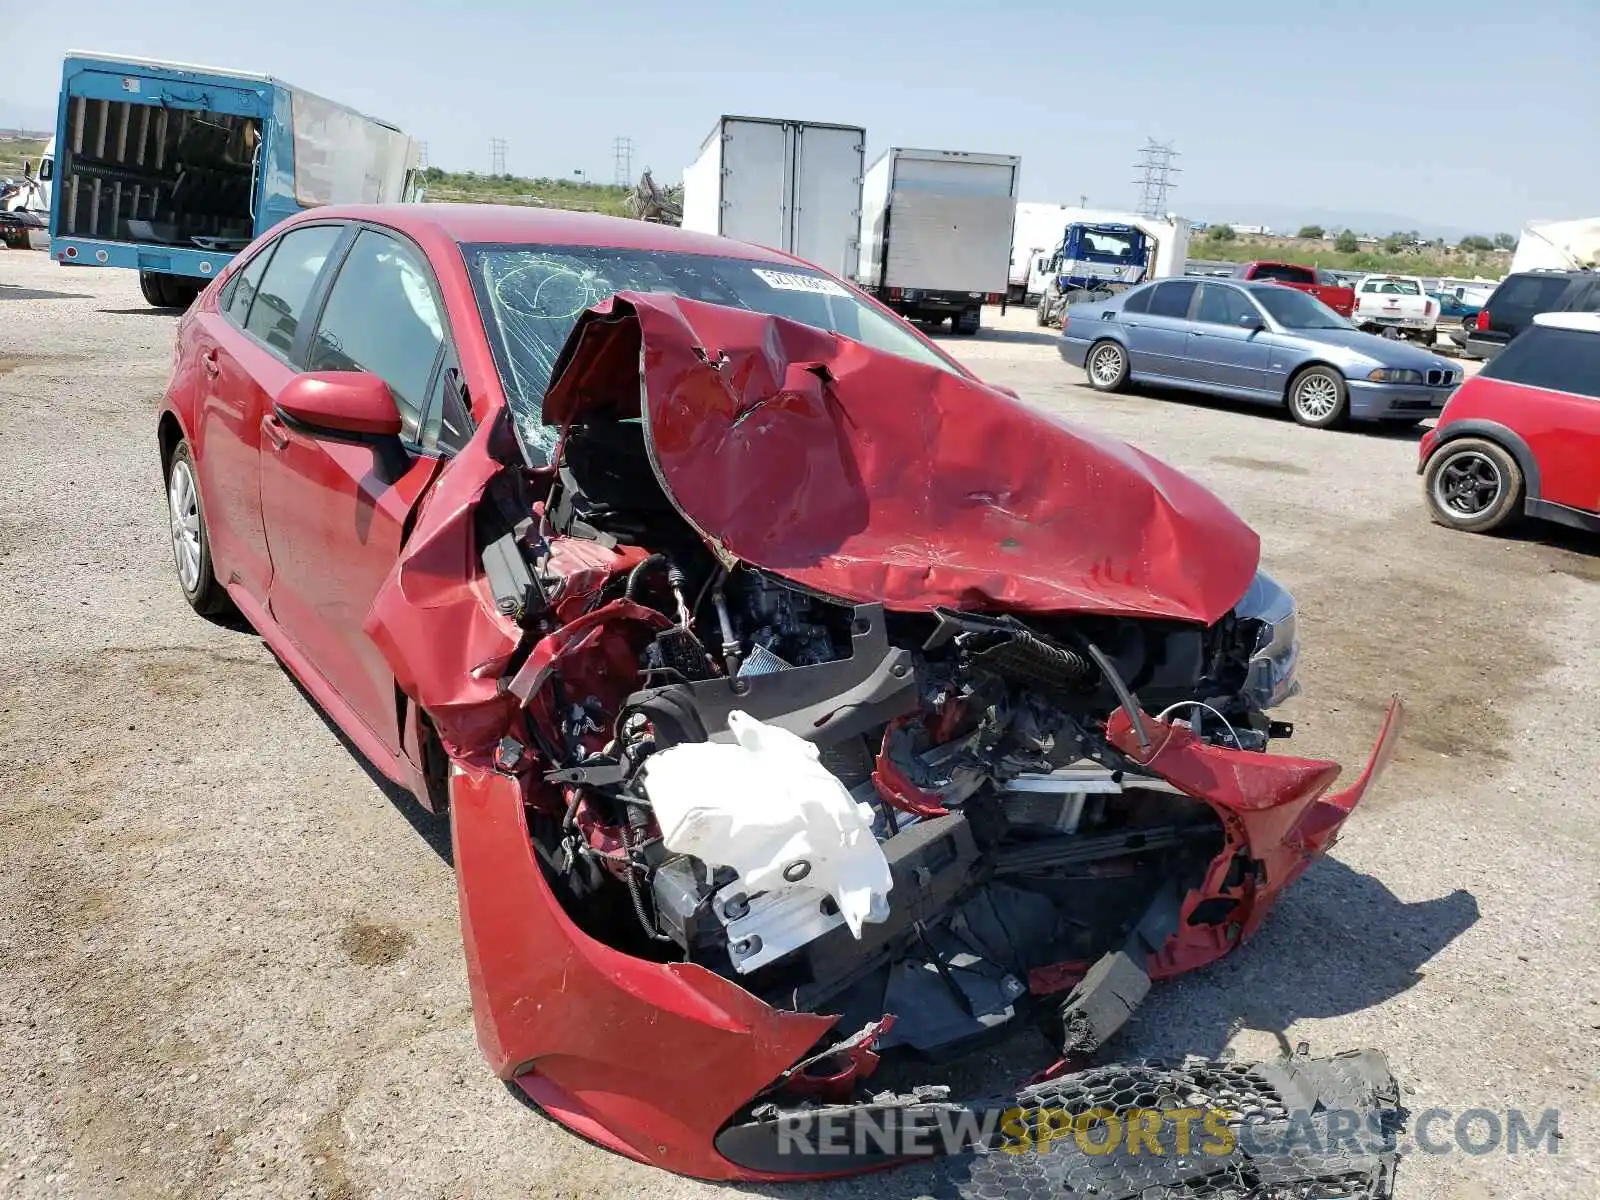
(874, 478)
(651, 1059)
(342, 400)
(1271, 806)
(865, 476)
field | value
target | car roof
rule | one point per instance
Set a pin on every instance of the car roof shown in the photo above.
(1549, 273)
(1582, 322)
(524, 224)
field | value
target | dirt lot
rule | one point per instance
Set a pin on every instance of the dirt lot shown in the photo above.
(230, 957)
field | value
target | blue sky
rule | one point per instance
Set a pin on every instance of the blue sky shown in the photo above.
(1477, 117)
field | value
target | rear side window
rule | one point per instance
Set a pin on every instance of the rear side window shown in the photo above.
(1559, 360)
(1138, 302)
(381, 316)
(1172, 299)
(1517, 299)
(280, 301)
(242, 288)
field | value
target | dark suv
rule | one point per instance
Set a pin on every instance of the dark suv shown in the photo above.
(1512, 306)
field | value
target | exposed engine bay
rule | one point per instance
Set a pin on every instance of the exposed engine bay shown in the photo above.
(800, 703)
(852, 810)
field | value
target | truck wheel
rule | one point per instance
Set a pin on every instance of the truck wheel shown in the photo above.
(1107, 366)
(1041, 311)
(181, 293)
(1318, 397)
(167, 291)
(151, 287)
(1473, 484)
(967, 322)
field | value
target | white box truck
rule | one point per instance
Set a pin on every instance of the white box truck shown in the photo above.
(793, 186)
(1038, 232)
(936, 231)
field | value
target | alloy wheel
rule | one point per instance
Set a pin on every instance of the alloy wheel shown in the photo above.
(1316, 397)
(1106, 365)
(1468, 484)
(183, 507)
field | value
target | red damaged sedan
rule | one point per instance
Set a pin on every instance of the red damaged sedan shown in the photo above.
(796, 698)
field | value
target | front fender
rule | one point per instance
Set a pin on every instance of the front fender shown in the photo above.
(1502, 435)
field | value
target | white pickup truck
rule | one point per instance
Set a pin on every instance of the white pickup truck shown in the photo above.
(1396, 306)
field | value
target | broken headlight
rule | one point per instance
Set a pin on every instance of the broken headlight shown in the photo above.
(1276, 653)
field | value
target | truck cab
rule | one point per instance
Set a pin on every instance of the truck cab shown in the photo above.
(1092, 262)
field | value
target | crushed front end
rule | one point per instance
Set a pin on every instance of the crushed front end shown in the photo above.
(973, 752)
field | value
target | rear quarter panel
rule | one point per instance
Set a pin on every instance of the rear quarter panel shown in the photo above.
(1084, 324)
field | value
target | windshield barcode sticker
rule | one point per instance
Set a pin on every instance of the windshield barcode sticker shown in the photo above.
(787, 281)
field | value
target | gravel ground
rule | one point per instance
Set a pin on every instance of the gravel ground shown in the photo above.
(231, 961)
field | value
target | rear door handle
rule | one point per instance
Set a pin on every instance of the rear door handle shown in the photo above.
(208, 363)
(275, 431)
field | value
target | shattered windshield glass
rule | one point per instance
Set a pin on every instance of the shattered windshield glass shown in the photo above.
(532, 296)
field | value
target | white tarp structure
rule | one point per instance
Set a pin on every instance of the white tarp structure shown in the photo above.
(1558, 245)
(341, 157)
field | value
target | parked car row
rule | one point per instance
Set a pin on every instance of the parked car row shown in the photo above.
(1521, 438)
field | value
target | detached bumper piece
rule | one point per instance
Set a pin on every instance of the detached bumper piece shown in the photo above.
(1297, 1129)
(1294, 1129)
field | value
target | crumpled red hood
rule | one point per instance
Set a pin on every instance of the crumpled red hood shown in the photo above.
(869, 477)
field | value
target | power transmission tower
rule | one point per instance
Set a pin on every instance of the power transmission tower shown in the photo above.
(622, 155)
(497, 156)
(1155, 176)
(422, 155)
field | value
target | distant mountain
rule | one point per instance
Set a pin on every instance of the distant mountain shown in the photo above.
(1285, 218)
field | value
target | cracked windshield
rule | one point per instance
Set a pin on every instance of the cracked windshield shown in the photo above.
(533, 297)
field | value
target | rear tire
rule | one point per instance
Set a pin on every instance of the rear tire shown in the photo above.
(1474, 485)
(1106, 364)
(967, 323)
(1318, 398)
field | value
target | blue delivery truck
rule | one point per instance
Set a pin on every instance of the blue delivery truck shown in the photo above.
(170, 169)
